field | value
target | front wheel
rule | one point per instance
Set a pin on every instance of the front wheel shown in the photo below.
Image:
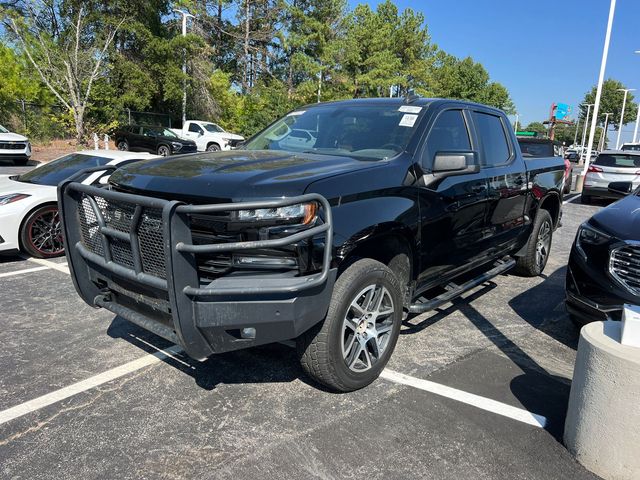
(123, 145)
(164, 151)
(41, 233)
(213, 147)
(538, 248)
(350, 347)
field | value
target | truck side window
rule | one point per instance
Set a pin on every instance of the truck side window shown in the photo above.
(493, 138)
(449, 133)
(193, 127)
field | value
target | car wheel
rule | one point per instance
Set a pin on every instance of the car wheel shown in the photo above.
(213, 147)
(532, 263)
(164, 151)
(585, 199)
(123, 145)
(351, 346)
(41, 233)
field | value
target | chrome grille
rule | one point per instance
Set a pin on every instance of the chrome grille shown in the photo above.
(624, 266)
(119, 216)
(12, 145)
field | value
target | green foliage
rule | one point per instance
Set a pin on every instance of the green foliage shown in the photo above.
(248, 61)
(611, 101)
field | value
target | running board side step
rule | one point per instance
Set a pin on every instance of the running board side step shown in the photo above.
(454, 290)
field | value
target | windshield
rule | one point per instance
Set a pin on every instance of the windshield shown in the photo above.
(364, 131)
(54, 172)
(212, 127)
(159, 131)
(618, 160)
(3, 130)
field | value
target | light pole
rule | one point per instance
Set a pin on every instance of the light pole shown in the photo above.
(604, 131)
(185, 15)
(575, 135)
(603, 67)
(624, 104)
(584, 129)
(515, 125)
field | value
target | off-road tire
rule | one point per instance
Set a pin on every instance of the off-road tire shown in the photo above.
(320, 348)
(528, 265)
(213, 147)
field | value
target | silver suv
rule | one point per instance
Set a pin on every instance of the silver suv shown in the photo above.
(610, 166)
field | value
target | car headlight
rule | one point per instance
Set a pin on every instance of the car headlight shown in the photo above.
(12, 197)
(592, 236)
(302, 213)
(176, 145)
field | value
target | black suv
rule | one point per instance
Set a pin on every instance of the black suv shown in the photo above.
(152, 139)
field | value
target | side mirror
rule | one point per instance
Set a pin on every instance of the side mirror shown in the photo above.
(620, 188)
(455, 163)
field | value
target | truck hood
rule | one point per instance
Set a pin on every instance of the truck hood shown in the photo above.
(621, 219)
(12, 137)
(234, 175)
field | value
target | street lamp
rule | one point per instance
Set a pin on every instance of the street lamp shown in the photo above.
(603, 67)
(584, 127)
(604, 131)
(635, 130)
(515, 125)
(185, 15)
(624, 104)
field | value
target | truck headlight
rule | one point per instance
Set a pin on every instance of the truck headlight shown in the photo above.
(12, 197)
(302, 213)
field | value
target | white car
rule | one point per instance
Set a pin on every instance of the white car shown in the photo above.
(209, 137)
(14, 147)
(610, 166)
(29, 219)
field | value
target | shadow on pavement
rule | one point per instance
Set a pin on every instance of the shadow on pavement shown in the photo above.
(265, 364)
(543, 308)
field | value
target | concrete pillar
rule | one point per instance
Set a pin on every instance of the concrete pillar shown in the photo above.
(602, 428)
(579, 183)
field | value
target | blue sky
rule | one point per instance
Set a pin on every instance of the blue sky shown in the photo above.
(543, 51)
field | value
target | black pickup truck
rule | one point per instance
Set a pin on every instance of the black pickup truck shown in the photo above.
(390, 207)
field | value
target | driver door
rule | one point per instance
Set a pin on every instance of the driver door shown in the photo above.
(452, 207)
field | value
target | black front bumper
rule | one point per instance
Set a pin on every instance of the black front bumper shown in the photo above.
(141, 264)
(590, 293)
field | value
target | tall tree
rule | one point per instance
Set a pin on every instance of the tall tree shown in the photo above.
(611, 101)
(66, 50)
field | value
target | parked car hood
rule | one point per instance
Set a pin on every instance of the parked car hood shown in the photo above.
(621, 219)
(237, 174)
(12, 137)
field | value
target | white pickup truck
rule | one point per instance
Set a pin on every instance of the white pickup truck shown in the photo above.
(209, 137)
(14, 147)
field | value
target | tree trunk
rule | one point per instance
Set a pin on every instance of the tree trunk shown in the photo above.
(247, 19)
(78, 117)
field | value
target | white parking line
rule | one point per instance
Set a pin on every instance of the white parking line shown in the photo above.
(48, 263)
(571, 200)
(84, 385)
(26, 270)
(483, 403)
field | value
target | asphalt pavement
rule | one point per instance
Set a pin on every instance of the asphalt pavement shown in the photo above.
(96, 398)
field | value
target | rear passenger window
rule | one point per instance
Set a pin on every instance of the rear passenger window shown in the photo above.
(493, 138)
(449, 133)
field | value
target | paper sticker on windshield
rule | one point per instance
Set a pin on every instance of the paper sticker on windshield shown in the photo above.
(298, 112)
(409, 109)
(408, 120)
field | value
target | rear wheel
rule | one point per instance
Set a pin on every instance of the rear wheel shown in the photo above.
(532, 263)
(164, 151)
(41, 233)
(349, 349)
(123, 145)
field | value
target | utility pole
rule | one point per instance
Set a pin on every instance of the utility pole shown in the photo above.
(575, 135)
(624, 104)
(515, 126)
(603, 136)
(185, 15)
(603, 67)
(584, 129)
(635, 130)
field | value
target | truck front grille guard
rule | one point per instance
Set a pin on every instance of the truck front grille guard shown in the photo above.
(177, 238)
